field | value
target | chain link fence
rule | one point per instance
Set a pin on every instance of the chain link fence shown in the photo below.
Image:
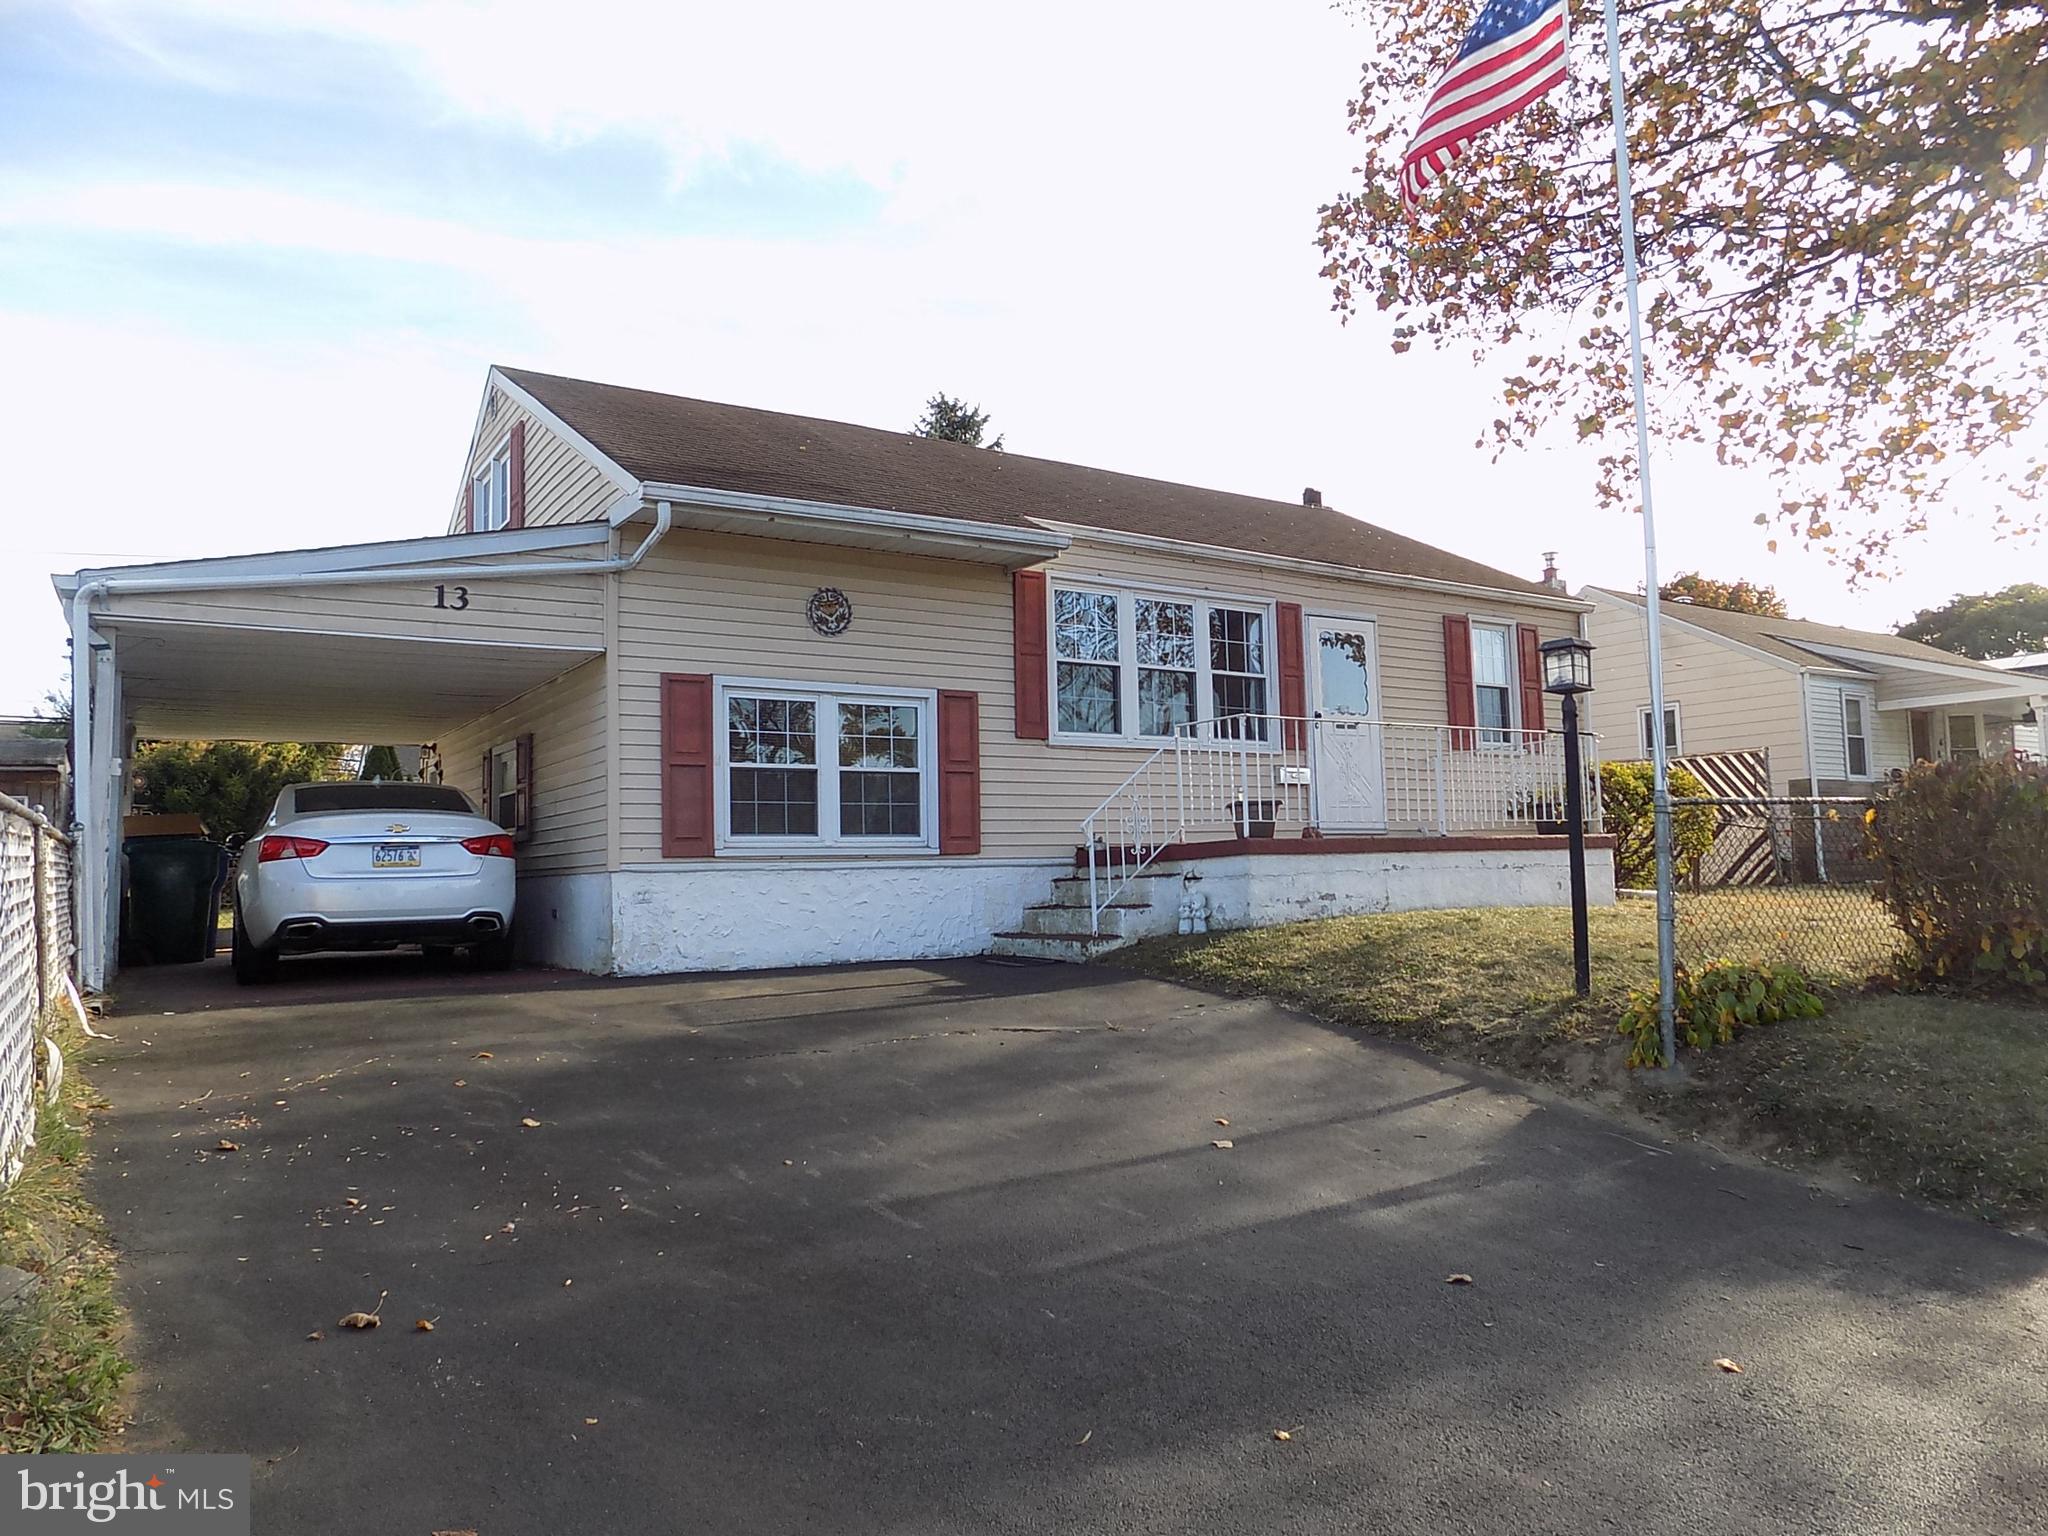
(1788, 882)
(36, 959)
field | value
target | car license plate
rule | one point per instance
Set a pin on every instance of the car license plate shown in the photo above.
(395, 856)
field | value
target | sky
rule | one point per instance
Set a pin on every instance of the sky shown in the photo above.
(256, 255)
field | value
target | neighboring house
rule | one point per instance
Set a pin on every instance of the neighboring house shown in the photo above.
(1837, 709)
(33, 767)
(756, 689)
(2030, 736)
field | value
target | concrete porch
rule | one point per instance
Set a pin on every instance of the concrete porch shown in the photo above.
(1257, 882)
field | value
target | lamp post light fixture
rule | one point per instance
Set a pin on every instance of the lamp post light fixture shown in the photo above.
(1568, 672)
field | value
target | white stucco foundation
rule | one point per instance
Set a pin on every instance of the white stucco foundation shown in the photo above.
(1255, 890)
(746, 914)
(565, 920)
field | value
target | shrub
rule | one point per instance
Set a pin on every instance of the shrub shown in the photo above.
(1964, 853)
(1626, 806)
(1713, 1005)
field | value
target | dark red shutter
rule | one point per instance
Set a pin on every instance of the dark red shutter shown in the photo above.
(1530, 667)
(1293, 673)
(1027, 591)
(515, 516)
(469, 506)
(486, 801)
(686, 766)
(960, 772)
(522, 814)
(1461, 707)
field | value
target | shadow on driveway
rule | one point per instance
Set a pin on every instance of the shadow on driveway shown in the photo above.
(946, 1247)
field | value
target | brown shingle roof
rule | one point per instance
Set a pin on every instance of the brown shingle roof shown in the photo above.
(670, 439)
(1795, 639)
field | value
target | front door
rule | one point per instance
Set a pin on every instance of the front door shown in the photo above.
(1922, 722)
(1346, 741)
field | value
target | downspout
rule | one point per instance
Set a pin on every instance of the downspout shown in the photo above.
(84, 791)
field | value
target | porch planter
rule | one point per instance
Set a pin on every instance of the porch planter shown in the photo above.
(1255, 818)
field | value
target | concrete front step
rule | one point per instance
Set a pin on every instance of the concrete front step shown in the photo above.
(1056, 917)
(1071, 947)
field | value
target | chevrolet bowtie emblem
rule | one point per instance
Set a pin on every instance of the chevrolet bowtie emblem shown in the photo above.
(398, 826)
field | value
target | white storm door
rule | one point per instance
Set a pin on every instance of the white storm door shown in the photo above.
(1347, 739)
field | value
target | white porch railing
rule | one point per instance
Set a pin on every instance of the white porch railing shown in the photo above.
(1278, 776)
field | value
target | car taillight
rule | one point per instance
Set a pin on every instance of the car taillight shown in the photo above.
(288, 848)
(496, 845)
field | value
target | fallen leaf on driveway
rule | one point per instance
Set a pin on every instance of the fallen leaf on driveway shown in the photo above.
(1084, 1439)
(1221, 1121)
(224, 1145)
(590, 1421)
(424, 1325)
(460, 1083)
(1729, 1366)
(1222, 1146)
(315, 1336)
(1457, 1279)
(361, 1320)
(481, 1056)
(530, 1123)
(1283, 1435)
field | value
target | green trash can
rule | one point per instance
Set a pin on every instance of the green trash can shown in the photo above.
(173, 905)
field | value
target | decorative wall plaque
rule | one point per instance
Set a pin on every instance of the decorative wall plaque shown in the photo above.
(830, 611)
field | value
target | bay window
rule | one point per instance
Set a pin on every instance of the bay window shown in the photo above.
(830, 767)
(1135, 666)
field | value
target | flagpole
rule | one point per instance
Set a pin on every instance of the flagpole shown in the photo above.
(1667, 916)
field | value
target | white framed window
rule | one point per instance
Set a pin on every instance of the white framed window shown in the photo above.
(1855, 735)
(1493, 682)
(1674, 738)
(490, 493)
(805, 766)
(501, 798)
(1964, 744)
(1132, 666)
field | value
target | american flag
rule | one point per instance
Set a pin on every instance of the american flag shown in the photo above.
(1513, 54)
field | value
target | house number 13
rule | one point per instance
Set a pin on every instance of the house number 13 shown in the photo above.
(456, 598)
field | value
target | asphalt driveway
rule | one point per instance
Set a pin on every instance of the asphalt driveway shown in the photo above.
(947, 1248)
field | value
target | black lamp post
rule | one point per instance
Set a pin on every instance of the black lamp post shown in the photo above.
(1568, 672)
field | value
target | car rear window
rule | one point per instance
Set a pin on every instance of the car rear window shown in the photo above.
(313, 798)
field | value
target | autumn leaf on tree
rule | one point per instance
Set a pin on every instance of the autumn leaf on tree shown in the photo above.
(1843, 228)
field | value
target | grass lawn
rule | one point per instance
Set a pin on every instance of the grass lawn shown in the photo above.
(1928, 1094)
(61, 1368)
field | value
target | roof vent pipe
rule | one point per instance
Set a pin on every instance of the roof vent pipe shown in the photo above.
(1311, 497)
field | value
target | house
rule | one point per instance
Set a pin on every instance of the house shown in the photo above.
(756, 689)
(1836, 709)
(2030, 736)
(34, 768)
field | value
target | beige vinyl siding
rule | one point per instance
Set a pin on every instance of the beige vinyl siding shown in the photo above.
(535, 610)
(562, 484)
(567, 719)
(730, 605)
(1729, 699)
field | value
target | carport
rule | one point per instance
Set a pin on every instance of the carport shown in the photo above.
(387, 642)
